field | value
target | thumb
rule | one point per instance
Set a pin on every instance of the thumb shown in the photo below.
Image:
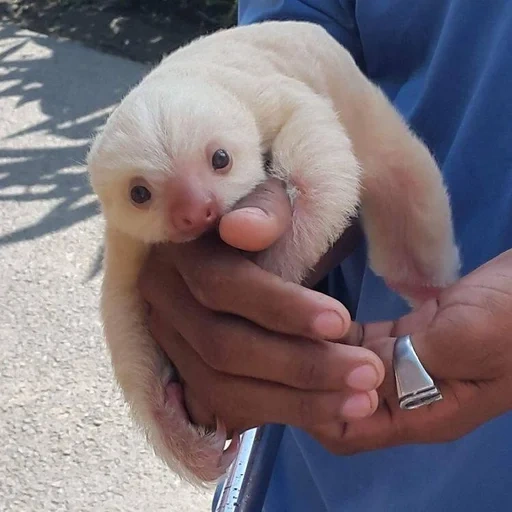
(259, 219)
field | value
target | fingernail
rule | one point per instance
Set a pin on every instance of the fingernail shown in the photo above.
(253, 211)
(363, 378)
(357, 406)
(329, 325)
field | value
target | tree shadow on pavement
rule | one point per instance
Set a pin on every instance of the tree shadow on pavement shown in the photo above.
(72, 90)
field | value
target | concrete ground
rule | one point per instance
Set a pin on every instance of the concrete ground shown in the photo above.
(66, 439)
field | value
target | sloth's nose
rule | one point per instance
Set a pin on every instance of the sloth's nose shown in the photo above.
(192, 206)
(195, 216)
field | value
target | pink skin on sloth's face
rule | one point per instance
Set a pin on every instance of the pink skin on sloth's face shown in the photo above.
(191, 206)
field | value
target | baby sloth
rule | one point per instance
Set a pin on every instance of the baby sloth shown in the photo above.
(188, 142)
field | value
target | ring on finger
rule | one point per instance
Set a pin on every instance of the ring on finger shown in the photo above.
(415, 387)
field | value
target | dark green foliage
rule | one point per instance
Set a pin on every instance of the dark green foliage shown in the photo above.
(216, 13)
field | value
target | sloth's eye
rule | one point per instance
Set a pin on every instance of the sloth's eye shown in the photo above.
(140, 194)
(220, 159)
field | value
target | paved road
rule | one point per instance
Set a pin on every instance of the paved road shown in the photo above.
(66, 441)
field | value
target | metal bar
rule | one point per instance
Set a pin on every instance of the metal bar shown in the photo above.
(246, 484)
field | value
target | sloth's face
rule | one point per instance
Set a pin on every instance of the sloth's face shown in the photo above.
(172, 160)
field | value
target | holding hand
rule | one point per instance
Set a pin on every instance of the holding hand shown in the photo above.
(463, 340)
(248, 346)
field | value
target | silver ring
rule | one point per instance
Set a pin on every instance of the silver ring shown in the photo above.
(414, 386)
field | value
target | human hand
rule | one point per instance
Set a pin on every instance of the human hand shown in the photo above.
(248, 346)
(463, 341)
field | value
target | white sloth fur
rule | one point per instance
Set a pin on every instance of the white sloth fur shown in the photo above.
(282, 88)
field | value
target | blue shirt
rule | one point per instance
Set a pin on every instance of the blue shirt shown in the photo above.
(447, 67)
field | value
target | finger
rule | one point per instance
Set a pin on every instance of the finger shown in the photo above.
(361, 334)
(199, 414)
(259, 219)
(250, 402)
(384, 430)
(234, 346)
(224, 281)
(442, 336)
(390, 425)
(464, 405)
(457, 414)
(254, 403)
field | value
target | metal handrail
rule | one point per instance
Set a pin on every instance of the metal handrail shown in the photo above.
(246, 484)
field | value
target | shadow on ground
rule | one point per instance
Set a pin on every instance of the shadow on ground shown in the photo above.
(141, 30)
(72, 108)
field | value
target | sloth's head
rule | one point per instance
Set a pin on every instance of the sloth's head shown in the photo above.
(173, 158)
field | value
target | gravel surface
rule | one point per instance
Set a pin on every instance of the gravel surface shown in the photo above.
(67, 441)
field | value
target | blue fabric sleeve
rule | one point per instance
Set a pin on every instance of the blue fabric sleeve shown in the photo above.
(336, 16)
